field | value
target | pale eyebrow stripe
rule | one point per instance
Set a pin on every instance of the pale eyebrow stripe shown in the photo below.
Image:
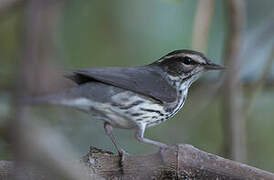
(197, 58)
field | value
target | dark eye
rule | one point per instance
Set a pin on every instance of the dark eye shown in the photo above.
(187, 60)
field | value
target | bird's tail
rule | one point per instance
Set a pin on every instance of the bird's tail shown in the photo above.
(44, 100)
(67, 97)
(38, 100)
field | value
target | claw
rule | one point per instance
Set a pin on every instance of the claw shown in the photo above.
(123, 155)
(163, 146)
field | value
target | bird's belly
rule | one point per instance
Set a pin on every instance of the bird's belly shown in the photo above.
(137, 109)
(127, 117)
(124, 110)
(119, 121)
(107, 113)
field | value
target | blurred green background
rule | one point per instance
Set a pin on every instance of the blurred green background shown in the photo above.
(92, 33)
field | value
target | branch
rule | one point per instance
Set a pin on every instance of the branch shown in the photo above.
(175, 162)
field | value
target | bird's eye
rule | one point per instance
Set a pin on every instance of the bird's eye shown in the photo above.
(187, 60)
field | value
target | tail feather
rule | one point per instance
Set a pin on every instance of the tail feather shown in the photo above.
(47, 99)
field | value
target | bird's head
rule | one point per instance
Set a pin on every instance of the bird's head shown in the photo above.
(186, 65)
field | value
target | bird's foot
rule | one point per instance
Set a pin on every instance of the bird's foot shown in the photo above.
(162, 146)
(123, 155)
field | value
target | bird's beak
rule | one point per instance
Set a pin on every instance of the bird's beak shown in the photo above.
(213, 66)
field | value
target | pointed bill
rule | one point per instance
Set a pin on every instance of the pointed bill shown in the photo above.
(213, 66)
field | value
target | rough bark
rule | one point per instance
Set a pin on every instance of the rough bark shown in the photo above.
(175, 162)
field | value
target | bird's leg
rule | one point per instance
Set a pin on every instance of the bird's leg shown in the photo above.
(122, 153)
(140, 137)
(108, 130)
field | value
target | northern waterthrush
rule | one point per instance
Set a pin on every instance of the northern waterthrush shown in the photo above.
(135, 97)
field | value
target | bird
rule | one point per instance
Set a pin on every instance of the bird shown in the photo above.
(134, 97)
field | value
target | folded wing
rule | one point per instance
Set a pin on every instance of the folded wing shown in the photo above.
(143, 80)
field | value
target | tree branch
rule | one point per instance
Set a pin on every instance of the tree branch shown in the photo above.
(176, 162)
